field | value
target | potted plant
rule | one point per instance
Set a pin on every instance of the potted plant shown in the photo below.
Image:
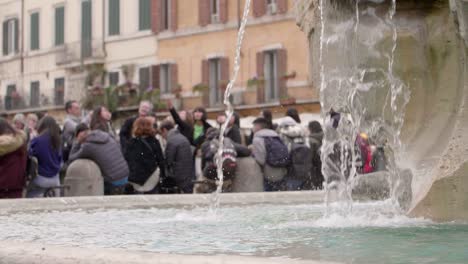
(291, 75)
(200, 88)
(254, 82)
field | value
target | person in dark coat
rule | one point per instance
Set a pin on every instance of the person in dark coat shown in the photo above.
(200, 126)
(145, 108)
(102, 149)
(315, 143)
(179, 157)
(144, 154)
(13, 156)
(294, 114)
(232, 130)
(184, 122)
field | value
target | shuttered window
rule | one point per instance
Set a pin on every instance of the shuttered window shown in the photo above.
(271, 67)
(8, 98)
(34, 94)
(165, 78)
(10, 36)
(86, 29)
(59, 26)
(145, 78)
(114, 17)
(113, 78)
(34, 31)
(59, 91)
(144, 18)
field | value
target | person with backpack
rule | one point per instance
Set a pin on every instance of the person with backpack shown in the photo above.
(300, 154)
(231, 150)
(271, 154)
(145, 158)
(315, 144)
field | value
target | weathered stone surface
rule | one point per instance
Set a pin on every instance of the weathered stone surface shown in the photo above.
(249, 177)
(84, 179)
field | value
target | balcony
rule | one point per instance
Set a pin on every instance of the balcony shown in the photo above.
(82, 52)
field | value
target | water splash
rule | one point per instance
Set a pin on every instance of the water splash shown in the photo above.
(229, 108)
(357, 81)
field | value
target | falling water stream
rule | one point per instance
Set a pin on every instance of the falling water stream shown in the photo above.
(229, 108)
(354, 82)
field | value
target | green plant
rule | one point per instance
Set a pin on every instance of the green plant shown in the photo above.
(254, 82)
(200, 88)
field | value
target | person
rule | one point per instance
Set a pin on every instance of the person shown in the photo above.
(184, 122)
(101, 119)
(31, 127)
(144, 156)
(315, 143)
(200, 126)
(232, 130)
(294, 114)
(13, 156)
(268, 116)
(73, 119)
(179, 159)
(292, 134)
(145, 108)
(271, 154)
(19, 121)
(47, 149)
(231, 151)
(365, 153)
(100, 147)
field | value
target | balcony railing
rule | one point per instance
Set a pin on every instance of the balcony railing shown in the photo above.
(81, 51)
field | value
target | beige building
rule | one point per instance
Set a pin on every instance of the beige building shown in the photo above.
(52, 50)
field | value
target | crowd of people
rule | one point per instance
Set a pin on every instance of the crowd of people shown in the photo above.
(150, 157)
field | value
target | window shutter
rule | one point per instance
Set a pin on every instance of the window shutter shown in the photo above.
(173, 20)
(223, 11)
(204, 12)
(174, 77)
(34, 34)
(16, 26)
(144, 14)
(259, 8)
(156, 16)
(205, 81)
(260, 76)
(155, 79)
(282, 60)
(282, 6)
(59, 26)
(114, 17)
(5, 38)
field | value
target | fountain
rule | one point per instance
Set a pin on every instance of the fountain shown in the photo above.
(413, 53)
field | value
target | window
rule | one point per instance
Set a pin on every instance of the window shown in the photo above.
(35, 94)
(272, 7)
(59, 91)
(114, 17)
(214, 11)
(144, 21)
(11, 89)
(34, 31)
(10, 36)
(271, 76)
(214, 81)
(165, 78)
(59, 26)
(145, 78)
(114, 78)
(86, 29)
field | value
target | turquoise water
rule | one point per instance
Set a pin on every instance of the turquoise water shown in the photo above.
(369, 234)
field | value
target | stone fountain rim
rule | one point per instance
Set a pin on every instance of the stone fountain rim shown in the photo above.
(9, 206)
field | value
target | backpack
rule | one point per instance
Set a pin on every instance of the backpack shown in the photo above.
(277, 154)
(300, 157)
(229, 161)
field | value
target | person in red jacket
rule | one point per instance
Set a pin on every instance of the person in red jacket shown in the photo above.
(13, 156)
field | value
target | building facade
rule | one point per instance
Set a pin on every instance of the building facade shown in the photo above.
(54, 50)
